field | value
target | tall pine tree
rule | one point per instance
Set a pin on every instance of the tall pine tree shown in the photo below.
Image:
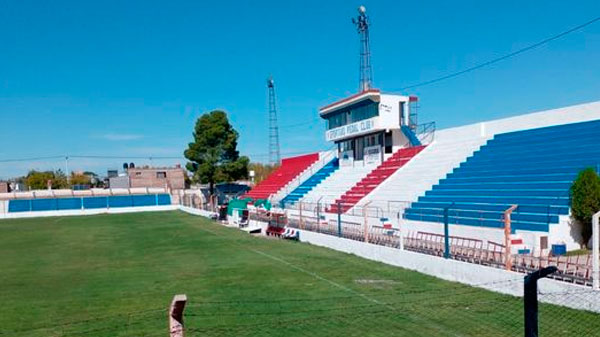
(213, 155)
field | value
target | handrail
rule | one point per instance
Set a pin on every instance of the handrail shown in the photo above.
(426, 132)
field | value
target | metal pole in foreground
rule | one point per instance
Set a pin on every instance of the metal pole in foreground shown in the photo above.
(596, 251)
(339, 214)
(446, 234)
(530, 300)
(319, 212)
(176, 315)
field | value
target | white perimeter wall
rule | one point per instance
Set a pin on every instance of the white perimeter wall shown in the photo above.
(116, 210)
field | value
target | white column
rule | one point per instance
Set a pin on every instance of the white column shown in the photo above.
(596, 251)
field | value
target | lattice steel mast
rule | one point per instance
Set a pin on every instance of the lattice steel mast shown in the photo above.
(366, 73)
(274, 154)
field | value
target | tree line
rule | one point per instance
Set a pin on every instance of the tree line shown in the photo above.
(39, 180)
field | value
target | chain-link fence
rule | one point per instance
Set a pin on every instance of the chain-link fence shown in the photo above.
(445, 311)
(574, 269)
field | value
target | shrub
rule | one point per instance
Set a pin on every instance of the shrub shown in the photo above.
(585, 200)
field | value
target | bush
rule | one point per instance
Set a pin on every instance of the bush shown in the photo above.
(585, 200)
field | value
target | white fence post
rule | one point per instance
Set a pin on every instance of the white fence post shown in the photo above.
(596, 251)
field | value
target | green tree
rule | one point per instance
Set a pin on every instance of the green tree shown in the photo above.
(38, 180)
(585, 200)
(80, 179)
(261, 171)
(213, 155)
(60, 180)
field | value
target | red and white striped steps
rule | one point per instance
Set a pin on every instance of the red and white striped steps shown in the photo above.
(375, 178)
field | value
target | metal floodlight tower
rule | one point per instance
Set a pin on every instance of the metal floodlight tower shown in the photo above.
(274, 154)
(366, 73)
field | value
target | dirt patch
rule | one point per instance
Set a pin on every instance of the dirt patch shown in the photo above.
(381, 284)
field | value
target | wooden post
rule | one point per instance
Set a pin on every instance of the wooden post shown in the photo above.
(176, 315)
(507, 230)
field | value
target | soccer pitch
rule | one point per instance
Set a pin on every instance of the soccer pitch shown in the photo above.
(115, 275)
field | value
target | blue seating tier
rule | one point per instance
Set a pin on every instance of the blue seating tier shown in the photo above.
(310, 183)
(533, 169)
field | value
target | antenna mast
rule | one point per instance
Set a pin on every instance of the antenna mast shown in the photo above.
(366, 73)
(274, 154)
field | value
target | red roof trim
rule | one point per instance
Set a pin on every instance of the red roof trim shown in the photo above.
(371, 91)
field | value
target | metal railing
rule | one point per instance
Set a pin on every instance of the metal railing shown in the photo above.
(573, 269)
(326, 205)
(426, 132)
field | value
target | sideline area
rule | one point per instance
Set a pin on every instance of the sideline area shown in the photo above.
(123, 269)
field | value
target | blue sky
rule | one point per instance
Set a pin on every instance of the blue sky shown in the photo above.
(130, 78)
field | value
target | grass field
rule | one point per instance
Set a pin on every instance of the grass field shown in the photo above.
(114, 275)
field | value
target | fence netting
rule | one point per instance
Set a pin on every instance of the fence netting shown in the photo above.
(447, 311)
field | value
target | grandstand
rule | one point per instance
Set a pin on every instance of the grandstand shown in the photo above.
(533, 169)
(477, 171)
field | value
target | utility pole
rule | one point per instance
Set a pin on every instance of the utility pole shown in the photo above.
(67, 167)
(366, 73)
(274, 154)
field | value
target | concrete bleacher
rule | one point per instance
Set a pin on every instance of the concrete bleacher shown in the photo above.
(290, 168)
(533, 169)
(337, 184)
(311, 183)
(420, 174)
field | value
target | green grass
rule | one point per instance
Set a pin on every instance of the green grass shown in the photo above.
(114, 275)
(578, 252)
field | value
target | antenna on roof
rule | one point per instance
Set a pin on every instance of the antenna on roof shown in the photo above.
(274, 154)
(366, 73)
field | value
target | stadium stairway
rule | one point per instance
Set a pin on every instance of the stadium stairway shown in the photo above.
(375, 177)
(533, 169)
(336, 184)
(410, 135)
(289, 169)
(310, 183)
